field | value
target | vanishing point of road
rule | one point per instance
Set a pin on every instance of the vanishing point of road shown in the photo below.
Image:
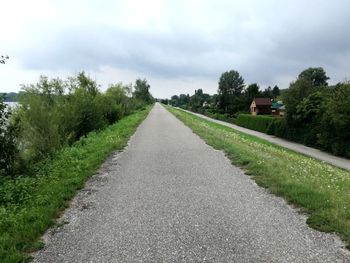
(169, 197)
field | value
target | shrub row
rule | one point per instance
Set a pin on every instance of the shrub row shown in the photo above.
(54, 113)
(258, 123)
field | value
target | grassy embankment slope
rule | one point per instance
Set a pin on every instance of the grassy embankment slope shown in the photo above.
(318, 188)
(30, 205)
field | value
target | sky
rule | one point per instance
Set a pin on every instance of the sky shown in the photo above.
(178, 46)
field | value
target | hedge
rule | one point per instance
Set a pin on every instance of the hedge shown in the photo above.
(258, 123)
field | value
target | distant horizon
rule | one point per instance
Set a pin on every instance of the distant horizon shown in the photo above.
(330, 83)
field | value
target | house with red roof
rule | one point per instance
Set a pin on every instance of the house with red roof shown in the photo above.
(261, 106)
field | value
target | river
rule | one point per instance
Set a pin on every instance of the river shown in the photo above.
(12, 104)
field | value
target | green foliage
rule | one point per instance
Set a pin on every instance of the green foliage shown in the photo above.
(197, 101)
(141, 91)
(231, 85)
(275, 92)
(310, 109)
(316, 76)
(278, 127)
(54, 113)
(315, 114)
(267, 93)
(320, 189)
(219, 116)
(120, 94)
(9, 131)
(318, 115)
(259, 123)
(334, 129)
(39, 118)
(303, 109)
(29, 205)
(87, 110)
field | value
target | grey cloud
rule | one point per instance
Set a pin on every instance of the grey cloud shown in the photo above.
(261, 55)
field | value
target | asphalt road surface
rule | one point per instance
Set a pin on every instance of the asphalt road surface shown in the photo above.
(297, 147)
(169, 197)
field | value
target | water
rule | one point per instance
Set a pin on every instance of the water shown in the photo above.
(12, 104)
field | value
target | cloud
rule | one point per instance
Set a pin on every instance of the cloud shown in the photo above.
(179, 43)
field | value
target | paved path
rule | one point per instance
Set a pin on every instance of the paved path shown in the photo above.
(169, 197)
(315, 153)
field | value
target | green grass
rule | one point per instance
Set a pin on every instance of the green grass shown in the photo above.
(29, 205)
(320, 189)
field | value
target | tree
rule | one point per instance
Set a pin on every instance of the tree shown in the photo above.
(117, 102)
(174, 101)
(184, 100)
(334, 133)
(310, 109)
(308, 82)
(164, 101)
(141, 91)
(267, 93)
(317, 76)
(275, 91)
(87, 84)
(230, 89)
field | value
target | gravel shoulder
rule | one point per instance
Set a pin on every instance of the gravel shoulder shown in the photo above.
(169, 197)
(297, 147)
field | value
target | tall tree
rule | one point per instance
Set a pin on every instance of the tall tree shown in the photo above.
(174, 101)
(230, 89)
(308, 82)
(316, 76)
(334, 133)
(275, 91)
(267, 93)
(141, 91)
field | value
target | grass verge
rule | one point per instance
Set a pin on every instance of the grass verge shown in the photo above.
(318, 188)
(29, 205)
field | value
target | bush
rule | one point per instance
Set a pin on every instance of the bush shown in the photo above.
(334, 135)
(8, 141)
(54, 113)
(277, 127)
(218, 116)
(258, 123)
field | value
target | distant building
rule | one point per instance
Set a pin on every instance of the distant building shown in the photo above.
(277, 108)
(261, 106)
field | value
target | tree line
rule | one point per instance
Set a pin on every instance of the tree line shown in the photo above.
(54, 113)
(317, 114)
(11, 96)
(233, 96)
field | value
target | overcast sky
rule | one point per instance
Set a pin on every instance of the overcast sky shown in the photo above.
(178, 46)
